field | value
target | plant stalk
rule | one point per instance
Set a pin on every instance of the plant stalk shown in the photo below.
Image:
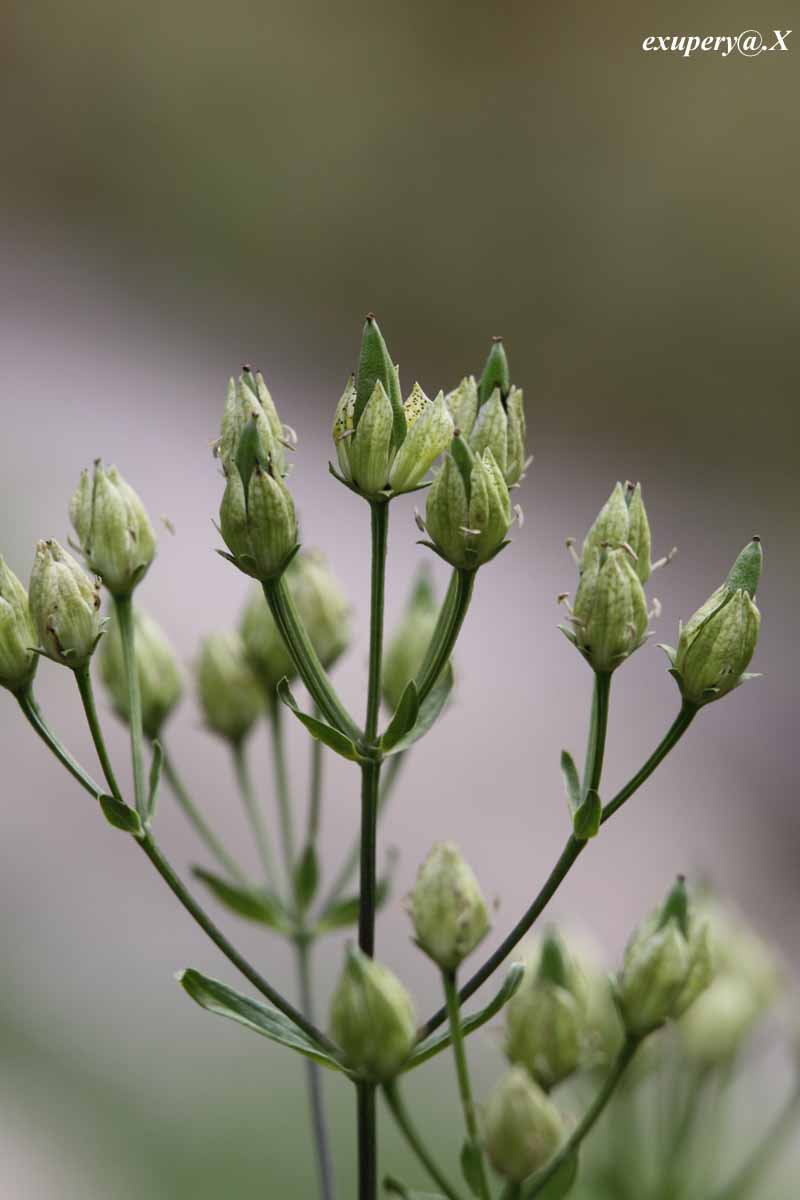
(124, 610)
(405, 1125)
(451, 618)
(84, 681)
(316, 1103)
(462, 1074)
(196, 818)
(254, 813)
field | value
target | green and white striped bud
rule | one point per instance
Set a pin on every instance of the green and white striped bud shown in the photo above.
(18, 659)
(64, 606)
(372, 1018)
(230, 697)
(523, 1127)
(610, 616)
(409, 642)
(160, 683)
(447, 907)
(490, 415)
(546, 1019)
(667, 966)
(248, 400)
(383, 445)
(621, 522)
(716, 644)
(323, 609)
(113, 528)
(468, 512)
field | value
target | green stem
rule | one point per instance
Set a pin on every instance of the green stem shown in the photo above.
(462, 1074)
(84, 682)
(596, 747)
(124, 610)
(771, 1142)
(587, 1123)
(282, 793)
(451, 618)
(305, 657)
(314, 1080)
(254, 813)
(315, 792)
(33, 715)
(379, 522)
(367, 1141)
(399, 1112)
(569, 854)
(198, 821)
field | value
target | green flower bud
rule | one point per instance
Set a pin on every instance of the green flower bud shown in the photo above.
(469, 509)
(257, 516)
(160, 684)
(372, 1018)
(447, 908)
(229, 693)
(385, 446)
(409, 642)
(622, 521)
(610, 615)
(65, 606)
(546, 1019)
(490, 415)
(716, 644)
(463, 405)
(322, 607)
(17, 636)
(249, 400)
(524, 1129)
(495, 375)
(667, 966)
(114, 531)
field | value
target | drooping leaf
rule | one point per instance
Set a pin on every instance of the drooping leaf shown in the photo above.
(586, 819)
(471, 1167)
(218, 998)
(155, 779)
(333, 738)
(572, 782)
(121, 816)
(404, 718)
(429, 711)
(253, 903)
(437, 1042)
(306, 876)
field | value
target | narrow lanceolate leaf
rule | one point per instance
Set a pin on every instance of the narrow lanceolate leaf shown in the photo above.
(306, 876)
(429, 711)
(393, 1187)
(331, 737)
(404, 719)
(572, 782)
(218, 998)
(121, 816)
(437, 1042)
(586, 819)
(155, 779)
(471, 1167)
(345, 912)
(561, 1184)
(252, 903)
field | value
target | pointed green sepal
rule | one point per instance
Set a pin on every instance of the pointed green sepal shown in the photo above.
(746, 571)
(495, 373)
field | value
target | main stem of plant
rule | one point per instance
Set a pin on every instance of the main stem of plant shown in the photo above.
(370, 789)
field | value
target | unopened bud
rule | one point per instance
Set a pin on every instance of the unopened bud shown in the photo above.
(249, 400)
(622, 521)
(609, 618)
(160, 684)
(372, 1018)
(468, 512)
(490, 415)
(447, 907)
(409, 642)
(546, 1019)
(17, 635)
(65, 606)
(229, 694)
(524, 1129)
(257, 518)
(113, 528)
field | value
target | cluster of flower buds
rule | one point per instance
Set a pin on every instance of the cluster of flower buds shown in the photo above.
(468, 513)
(160, 683)
(523, 1127)
(64, 606)
(667, 965)
(372, 1018)
(386, 446)
(609, 618)
(114, 531)
(409, 642)
(231, 698)
(257, 516)
(447, 908)
(18, 657)
(716, 644)
(490, 414)
(324, 611)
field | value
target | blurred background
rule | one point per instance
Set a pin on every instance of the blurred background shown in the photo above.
(189, 186)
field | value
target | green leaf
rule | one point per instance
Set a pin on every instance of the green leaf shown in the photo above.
(393, 1187)
(429, 711)
(437, 1042)
(572, 782)
(216, 997)
(121, 816)
(155, 779)
(331, 737)
(253, 903)
(306, 876)
(345, 912)
(404, 718)
(562, 1182)
(471, 1168)
(586, 820)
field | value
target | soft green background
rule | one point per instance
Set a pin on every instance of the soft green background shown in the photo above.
(190, 185)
